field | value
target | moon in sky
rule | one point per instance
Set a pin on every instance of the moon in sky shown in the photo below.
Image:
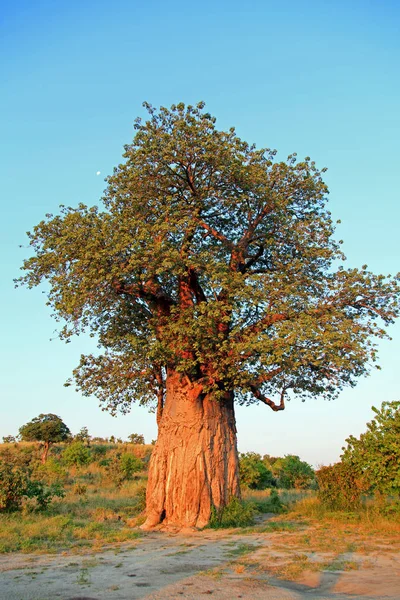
(97, 172)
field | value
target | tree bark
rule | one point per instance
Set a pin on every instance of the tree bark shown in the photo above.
(194, 465)
(46, 446)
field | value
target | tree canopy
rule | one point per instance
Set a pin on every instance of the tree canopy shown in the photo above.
(211, 257)
(45, 428)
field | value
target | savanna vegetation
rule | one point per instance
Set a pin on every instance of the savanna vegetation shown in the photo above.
(210, 275)
(91, 492)
(84, 495)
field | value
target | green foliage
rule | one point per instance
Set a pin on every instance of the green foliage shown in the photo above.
(50, 472)
(253, 472)
(17, 485)
(136, 438)
(272, 504)
(339, 488)
(375, 456)
(215, 259)
(9, 439)
(234, 514)
(291, 472)
(76, 454)
(45, 428)
(99, 450)
(83, 436)
(43, 493)
(369, 465)
(13, 483)
(122, 466)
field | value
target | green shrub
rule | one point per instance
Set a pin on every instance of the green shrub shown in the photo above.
(76, 454)
(272, 504)
(50, 472)
(121, 467)
(98, 450)
(42, 493)
(13, 483)
(235, 514)
(339, 487)
(129, 465)
(16, 485)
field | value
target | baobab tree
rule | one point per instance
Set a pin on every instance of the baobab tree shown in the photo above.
(209, 275)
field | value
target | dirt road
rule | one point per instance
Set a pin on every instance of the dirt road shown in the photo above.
(222, 565)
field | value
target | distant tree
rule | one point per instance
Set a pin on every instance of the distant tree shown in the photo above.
(112, 439)
(83, 436)
(47, 429)
(291, 472)
(253, 472)
(210, 274)
(9, 439)
(136, 438)
(269, 460)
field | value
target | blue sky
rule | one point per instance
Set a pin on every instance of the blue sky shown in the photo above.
(317, 78)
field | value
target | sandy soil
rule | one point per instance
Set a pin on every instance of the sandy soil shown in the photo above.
(224, 565)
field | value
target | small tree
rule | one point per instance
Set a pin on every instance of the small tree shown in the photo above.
(9, 439)
(47, 429)
(136, 438)
(83, 436)
(292, 472)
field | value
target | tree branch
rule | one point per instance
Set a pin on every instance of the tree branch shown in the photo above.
(275, 407)
(216, 234)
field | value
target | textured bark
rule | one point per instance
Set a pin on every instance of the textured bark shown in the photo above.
(46, 447)
(194, 465)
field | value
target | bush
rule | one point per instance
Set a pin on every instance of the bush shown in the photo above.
(42, 493)
(375, 456)
(129, 465)
(272, 504)
(121, 467)
(369, 464)
(253, 472)
(98, 450)
(76, 454)
(13, 483)
(234, 514)
(51, 472)
(16, 485)
(339, 487)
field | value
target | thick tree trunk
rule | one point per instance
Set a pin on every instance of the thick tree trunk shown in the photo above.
(194, 465)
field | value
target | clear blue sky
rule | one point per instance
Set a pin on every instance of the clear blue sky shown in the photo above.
(318, 78)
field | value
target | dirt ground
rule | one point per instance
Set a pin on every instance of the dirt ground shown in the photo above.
(224, 565)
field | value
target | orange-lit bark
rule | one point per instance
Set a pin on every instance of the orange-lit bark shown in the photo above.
(194, 465)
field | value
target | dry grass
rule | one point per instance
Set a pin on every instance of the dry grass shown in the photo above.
(310, 538)
(94, 512)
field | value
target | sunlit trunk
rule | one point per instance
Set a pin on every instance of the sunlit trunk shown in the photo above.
(194, 465)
